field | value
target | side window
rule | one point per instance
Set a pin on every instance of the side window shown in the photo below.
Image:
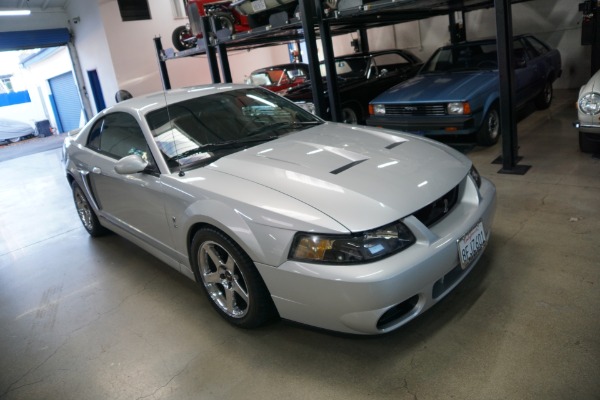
(539, 47)
(391, 61)
(118, 135)
(519, 52)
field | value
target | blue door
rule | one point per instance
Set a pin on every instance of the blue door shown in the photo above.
(66, 98)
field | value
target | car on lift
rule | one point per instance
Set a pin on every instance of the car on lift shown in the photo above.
(276, 212)
(458, 89)
(279, 78)
(588, 113)
(11, 131)
(184, 37)
(361, 77)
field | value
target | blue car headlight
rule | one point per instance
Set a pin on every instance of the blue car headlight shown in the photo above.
(589, 103)
(351, 249)
(458, 108)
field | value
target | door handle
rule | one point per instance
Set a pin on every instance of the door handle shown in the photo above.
(96, 170)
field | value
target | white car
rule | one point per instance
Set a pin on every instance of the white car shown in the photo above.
(275, 212)
(13, 131)
(588, 113)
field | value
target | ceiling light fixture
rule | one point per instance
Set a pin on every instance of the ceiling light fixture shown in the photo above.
(12, 13)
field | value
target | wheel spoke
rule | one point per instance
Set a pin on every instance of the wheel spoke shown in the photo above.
(214, 255)
(240, 290)
(230, 300)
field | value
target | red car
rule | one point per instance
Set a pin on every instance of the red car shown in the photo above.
(279, 78)
(184, 37)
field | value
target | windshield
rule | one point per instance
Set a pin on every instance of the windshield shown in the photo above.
(348, 67)
(204, 128)
(463, 57)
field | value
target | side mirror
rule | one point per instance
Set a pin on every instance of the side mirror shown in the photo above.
(131, 164)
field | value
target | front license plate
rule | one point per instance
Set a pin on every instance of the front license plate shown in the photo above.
(258, 5)
(471, 245)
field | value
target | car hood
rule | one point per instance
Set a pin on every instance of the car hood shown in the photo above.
(362, 178)
(439, 87)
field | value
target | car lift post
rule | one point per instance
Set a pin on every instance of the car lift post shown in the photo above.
(210, 50)
(307, 10)
(508, 123)
(333, 93)
(164, 74)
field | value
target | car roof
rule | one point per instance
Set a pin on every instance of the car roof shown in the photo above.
(153, 101)
(489, 40)
(282, 66)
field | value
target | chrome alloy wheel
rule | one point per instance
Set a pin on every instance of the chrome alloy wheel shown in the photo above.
(83, 209)
(223, 279)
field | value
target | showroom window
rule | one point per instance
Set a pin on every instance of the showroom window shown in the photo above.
(134, 10)
(118, 135)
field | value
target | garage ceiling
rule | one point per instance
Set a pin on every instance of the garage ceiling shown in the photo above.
(33, 5)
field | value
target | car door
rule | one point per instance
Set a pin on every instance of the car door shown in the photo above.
(526, 74)
(387, 70)
(133, 202)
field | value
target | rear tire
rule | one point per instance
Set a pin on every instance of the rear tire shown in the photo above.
(86, 213)
(489, 132)
(350, 115)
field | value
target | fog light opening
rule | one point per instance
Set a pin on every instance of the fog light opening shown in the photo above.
(397, 312)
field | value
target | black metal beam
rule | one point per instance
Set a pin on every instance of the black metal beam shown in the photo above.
(210, 50)
(224, 61)
(508, 122)
(307, 10)
(333, 93)
(164, 73)
(363, 40)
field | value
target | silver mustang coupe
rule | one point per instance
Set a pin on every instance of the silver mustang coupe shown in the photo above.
(275, 212)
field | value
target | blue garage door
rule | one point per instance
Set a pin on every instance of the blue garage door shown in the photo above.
(66, 100)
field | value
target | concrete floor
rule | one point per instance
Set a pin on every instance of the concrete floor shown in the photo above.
(90, 318)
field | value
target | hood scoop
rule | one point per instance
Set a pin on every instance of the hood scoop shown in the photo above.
(347, 166)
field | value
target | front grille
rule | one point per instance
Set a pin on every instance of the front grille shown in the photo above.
(433, 212)
(415, 109)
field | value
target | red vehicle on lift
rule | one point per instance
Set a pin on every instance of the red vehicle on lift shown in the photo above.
(226, 17)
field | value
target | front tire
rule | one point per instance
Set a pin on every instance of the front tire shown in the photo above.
(544, 99)
(230, 279)
(86, 213)
(489, 132)
(586, 145)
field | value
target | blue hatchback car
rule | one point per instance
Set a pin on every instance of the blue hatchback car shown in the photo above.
(456, 92)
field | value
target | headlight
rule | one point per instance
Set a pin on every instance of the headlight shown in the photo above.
(377, 109)
(351, 249)
(475, 175)
(590, 103)
(458, 108)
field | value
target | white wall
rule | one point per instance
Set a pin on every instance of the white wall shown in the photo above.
(38, 74)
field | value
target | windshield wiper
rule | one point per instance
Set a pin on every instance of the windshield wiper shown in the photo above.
(229, 144)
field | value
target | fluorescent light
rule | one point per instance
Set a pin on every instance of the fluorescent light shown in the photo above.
(10, 13)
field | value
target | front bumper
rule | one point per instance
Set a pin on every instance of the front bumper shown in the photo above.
(430, 126)
(356, 298)
(587, 127)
